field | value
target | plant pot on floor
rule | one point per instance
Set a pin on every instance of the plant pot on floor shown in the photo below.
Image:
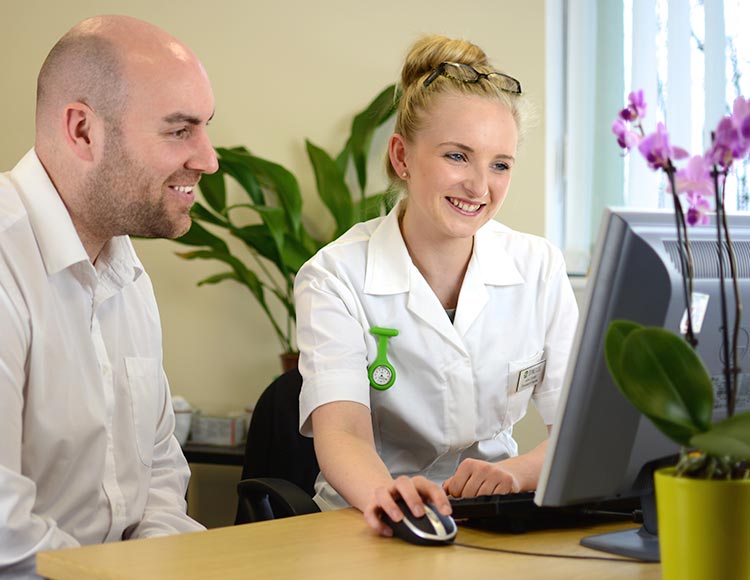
(289, 360)
(704, 527)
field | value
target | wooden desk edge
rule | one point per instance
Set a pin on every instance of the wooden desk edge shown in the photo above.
(308, 544)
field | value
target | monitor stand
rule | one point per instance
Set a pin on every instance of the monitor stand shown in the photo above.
(641, 543)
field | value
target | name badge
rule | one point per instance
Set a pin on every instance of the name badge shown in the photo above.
(531, 376)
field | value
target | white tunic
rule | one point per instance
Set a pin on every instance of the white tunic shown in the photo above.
(459, 387)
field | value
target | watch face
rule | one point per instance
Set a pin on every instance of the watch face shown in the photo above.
(381, 375)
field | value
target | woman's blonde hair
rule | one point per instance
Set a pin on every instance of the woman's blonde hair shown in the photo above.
(415, 99)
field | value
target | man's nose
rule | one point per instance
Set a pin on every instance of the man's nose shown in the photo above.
(204, 159)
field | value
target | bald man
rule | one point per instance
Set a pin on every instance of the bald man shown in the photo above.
(87, 452)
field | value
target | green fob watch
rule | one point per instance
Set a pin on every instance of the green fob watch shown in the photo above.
(381, 372)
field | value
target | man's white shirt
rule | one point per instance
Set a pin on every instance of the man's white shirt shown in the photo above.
(86, 422)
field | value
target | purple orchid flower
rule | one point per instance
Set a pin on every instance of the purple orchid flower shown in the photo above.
(636, 108)
(626, 138)
(695, 177)
(698, 208)
(741, 117)
(657, 151)
(728, 144)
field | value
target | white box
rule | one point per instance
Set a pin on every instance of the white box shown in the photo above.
(211, 430)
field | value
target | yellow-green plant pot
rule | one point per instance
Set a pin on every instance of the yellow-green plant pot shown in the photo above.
(704, 527)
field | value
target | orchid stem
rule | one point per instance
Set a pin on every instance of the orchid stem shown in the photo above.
(686, 256)
(731, 375)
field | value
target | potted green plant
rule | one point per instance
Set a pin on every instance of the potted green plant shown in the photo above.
(276, 242)
(703, 504)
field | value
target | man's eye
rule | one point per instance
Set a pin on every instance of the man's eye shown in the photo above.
(183, 133)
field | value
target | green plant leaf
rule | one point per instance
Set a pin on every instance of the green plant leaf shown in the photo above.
(216, 278)
(363, 127)
(236, 149)
(274, 194)
(237, 163)
(332, 188)
(259, 238)
(289, 305)
(275, 178)
(201, 213)
(238, 267)
(729, 437)
(289, 258)
(197, 235)
(342, 159)
(295, 254)
(617, 332)
(371, 206)
(244, 276)
(310, 244)
(274, 220)
(247, 278)
(214, 190)
(665, 379)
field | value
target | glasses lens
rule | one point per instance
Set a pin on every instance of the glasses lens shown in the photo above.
(461, 72)
(468, 74)
(506, 83)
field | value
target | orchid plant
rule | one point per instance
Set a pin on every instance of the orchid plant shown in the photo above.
(655, 369)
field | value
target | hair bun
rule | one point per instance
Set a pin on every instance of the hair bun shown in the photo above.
(429, 51)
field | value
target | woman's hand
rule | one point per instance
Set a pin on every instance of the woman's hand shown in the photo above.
(415, 491)
(474, 477)
(345, 448)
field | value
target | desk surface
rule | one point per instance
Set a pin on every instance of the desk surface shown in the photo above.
(332, 545)
(215, 454)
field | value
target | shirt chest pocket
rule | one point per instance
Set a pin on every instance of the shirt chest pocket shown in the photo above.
(523, 377)
(143, 380)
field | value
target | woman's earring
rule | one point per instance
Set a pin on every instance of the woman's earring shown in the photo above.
(404, 174)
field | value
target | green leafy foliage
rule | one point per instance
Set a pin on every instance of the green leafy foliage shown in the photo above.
(278, 245)
(729, 437)
(665, 379)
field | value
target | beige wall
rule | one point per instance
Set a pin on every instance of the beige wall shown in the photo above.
(281, 71)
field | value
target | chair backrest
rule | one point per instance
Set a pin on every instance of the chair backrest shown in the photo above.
(274, 447)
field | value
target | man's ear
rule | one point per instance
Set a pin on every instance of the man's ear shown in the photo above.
(81, 129)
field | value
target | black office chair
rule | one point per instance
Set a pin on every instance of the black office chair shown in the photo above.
(280, 466)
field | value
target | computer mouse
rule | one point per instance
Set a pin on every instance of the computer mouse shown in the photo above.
(432, 529)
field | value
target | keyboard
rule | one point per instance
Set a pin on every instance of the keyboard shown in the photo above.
(492, 505)
(517, 513)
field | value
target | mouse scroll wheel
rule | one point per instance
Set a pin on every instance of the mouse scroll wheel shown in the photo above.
(436, 522)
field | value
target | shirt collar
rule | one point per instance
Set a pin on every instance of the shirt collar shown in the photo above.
(388, 261)
(56, 236)
(119, 262)
(496, 265)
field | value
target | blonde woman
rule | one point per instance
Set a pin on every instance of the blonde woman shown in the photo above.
(424, 334)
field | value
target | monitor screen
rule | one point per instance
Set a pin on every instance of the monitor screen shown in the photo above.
(600, 447)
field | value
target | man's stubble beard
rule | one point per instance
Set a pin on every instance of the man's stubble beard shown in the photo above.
(120, 199)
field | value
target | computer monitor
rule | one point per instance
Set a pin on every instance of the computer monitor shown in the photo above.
(600, 447)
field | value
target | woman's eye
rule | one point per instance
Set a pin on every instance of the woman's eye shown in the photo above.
(500, 166)
(456, 156)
